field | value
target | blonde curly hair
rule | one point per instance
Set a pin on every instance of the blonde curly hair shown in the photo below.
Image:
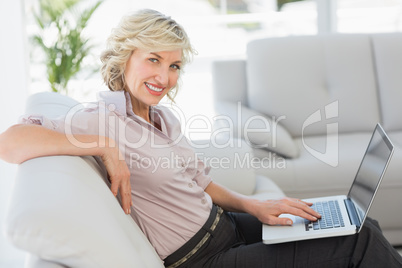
(148, 30)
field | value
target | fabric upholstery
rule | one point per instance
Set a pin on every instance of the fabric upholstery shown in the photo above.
(296, 76)
(257, 129)
(50, 104)
(72, 217)
(226, 164)
(34, 261)
(388, 58)
(230, 79)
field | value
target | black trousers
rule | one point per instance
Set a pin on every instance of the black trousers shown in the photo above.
(236, 242)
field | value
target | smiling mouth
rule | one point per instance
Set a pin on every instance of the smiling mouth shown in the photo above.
(154, 89)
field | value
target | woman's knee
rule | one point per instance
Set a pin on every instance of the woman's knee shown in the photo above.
(372, 226)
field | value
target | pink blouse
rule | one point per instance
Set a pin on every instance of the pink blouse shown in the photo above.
(167, 179)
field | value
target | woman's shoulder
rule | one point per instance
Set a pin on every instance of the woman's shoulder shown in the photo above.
(112, 102)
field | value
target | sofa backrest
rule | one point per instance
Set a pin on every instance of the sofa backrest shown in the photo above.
(388, 58)
(310, 80)
(49, 104)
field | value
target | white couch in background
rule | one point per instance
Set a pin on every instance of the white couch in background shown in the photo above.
(63, 214)
(315, 101)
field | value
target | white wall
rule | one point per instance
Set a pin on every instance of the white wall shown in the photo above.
(13, 91)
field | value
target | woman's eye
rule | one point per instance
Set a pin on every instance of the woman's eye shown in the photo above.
(175, 66)
(153, 60)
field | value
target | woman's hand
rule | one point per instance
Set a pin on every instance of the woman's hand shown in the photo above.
(119, 175)
(268, 211)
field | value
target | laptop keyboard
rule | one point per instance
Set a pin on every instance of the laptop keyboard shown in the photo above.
(331, 216)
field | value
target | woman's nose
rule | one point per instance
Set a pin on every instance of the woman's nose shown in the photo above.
(162, 76)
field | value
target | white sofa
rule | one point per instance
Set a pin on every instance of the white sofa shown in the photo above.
(308, 105)
(64, 215)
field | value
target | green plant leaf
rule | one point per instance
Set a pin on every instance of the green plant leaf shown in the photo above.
(68, 48)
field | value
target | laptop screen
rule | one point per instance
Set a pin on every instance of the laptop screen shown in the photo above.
(371, 171)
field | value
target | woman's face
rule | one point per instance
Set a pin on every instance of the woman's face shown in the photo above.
(150, 75)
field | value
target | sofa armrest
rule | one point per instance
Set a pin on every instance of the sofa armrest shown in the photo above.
(229, 80)
(230, 163)
(267, 189)
(32, 261)
(62, 211)
(259, 130)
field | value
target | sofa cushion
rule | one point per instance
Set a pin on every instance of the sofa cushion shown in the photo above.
(298, 77)
(73, 218)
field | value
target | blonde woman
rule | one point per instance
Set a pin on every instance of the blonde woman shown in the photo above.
(190, 220)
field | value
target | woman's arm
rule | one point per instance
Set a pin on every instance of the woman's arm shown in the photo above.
(267, 211)
(23, 142)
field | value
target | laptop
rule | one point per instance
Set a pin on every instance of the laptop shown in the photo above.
(349, 212)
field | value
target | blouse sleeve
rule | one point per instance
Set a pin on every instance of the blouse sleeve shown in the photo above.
(202, 177)
(53, 124)
(89, 121)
